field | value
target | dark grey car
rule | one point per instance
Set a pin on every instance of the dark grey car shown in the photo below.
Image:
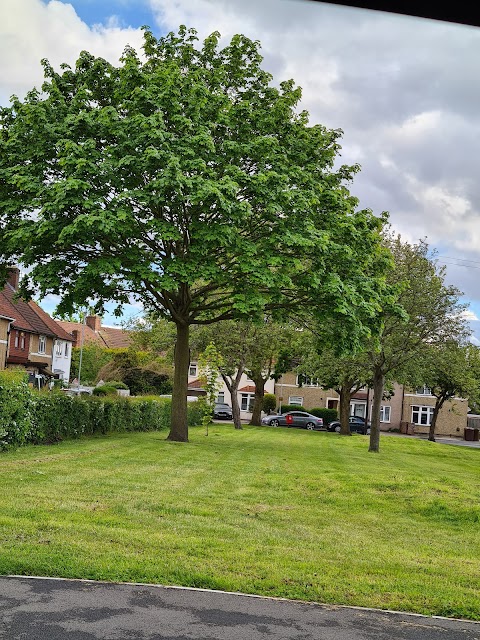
(300, 419)
(357, 425)
(222, 411)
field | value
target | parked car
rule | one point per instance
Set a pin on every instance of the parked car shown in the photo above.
(357, 425)
(222, 411)
(300, 419)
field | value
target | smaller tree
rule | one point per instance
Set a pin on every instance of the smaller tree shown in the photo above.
(210, 362)
(269, 402)
(450, 369)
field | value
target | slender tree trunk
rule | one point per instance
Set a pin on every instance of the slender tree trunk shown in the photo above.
(438, 405)
(258, 402)
(345, 397)
(232, 385)
(179, 425)
(378, 385)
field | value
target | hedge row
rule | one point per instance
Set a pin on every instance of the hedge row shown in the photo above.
(27, 416)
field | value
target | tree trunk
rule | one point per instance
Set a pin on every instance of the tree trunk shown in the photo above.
(378, 385)
(232, 385)
(258, 403)
(438, 405)
(179, 425)
(345, 396)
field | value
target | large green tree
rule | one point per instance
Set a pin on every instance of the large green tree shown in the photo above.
(185, 179)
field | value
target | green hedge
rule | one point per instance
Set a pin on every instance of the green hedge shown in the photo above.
(328, 415)
(291, 407)
(16, 409)
(27, 416)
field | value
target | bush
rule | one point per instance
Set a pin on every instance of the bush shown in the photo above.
(42, 418)
(269, 402)
(328, 415)
(105, 390)
(292, 407)
(140, 380)
(16, 402)
(116, 384)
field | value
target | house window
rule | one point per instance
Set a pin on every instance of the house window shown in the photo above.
(66, 349)
(358, 409)
(422, 415)
(246, 401)
(16, 339)
(385, 413)
(58, 348)
(42, 344)
(192, 371)
(423, 391)
(298, 400)
(22, 341)
(306, 381)
(221, 397)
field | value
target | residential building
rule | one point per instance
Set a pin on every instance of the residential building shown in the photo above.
(246, 391)
(401, 407)
(32, 336)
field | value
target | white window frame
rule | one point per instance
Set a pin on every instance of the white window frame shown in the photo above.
(66, 349)
(221, 397)
(42, 344)
(385, 413)
(423, 391)
(296, 400)
(17, 339)
(193, 370)
(59, 348)
(308, 381)
(420, 410)
(358, 403)
(246, 401)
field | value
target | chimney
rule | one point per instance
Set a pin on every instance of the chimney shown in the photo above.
(94, 322)
(14, 277)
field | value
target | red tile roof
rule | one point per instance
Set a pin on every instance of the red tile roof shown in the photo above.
(107, 337)
(248, 389)
(28, 316)
(53, 325)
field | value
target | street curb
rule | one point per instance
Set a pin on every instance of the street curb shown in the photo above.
(245, 595)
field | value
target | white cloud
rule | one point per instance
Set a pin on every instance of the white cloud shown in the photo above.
(32, 29)
(470, 316)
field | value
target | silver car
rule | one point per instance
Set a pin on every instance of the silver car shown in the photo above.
(300, 419)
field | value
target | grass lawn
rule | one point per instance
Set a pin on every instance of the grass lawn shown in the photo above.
(277, 512)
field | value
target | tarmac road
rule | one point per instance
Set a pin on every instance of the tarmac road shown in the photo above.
(55, 609)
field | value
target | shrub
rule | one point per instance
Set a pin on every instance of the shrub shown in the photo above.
(328, 415)
(16, 426)
(269, 402)
(116, 384)
(105, 390)
(141, 380)
(291, 407)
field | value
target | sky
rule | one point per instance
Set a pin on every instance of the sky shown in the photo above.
(405, 91)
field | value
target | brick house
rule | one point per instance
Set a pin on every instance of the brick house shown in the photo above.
(403, 406)
(33, 335)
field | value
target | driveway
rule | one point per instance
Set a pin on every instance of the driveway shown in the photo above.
(51, 609)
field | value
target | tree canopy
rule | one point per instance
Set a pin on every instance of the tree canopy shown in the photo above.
(186, 180)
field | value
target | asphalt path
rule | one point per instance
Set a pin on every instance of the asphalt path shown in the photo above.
(51, 609)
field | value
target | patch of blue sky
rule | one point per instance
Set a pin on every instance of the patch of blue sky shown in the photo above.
(120, 13)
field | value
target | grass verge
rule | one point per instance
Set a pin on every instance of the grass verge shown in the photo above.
(278, 512)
